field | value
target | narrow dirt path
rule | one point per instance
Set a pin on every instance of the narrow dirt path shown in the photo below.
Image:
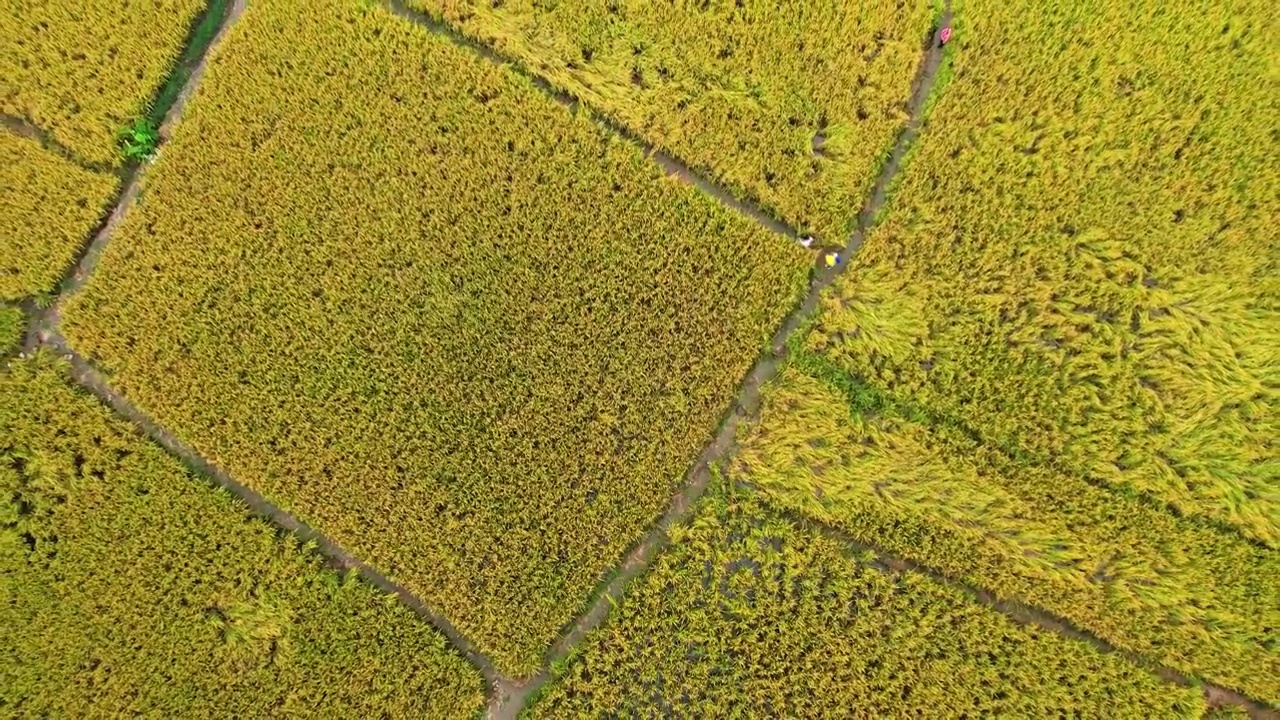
(671, 165)
(507, 704)
(1027, 615)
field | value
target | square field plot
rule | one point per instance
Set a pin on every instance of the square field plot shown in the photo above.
(395, 288)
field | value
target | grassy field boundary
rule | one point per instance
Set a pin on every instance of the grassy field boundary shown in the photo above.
(1215, 695)
(671, 165)
(512, 698)
(177, 86)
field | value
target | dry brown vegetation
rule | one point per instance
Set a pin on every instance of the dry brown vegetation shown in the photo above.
(793, 103)
(472, 337)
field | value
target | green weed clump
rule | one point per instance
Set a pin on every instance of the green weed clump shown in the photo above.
(138, 141)
(472, 337)
(794, 104)
(132, 588)
(749, 615)
(84, 69)
(50, 207)
(1185, 596)
(1080, 264)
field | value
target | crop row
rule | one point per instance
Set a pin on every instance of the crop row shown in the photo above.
(792, 103)
(1188, 597)
(84, 69)
(50, 206)
(1079, 261)
(133, 588)
(472, 337)
(749, 615)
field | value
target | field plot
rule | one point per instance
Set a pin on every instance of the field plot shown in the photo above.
(791, 103)
(49, 205)
(1183, 595)
(470, 336)
(131, 588)
(1080, 262)
(748, 615)
(82, 70)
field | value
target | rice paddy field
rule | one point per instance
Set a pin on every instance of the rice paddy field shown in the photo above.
(794, 104)
(76, 78)
(50, 205)
(131, 587)
(408, 379)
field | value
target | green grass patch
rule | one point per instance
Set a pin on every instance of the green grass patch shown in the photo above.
(201, 35)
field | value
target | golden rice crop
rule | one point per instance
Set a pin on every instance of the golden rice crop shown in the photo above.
(791, 103)
(48, 206)
(132, 588)
(83, 69)
(748, 615)
(1185, 596)
(12, 325)
(1080, 262)
(472, 337)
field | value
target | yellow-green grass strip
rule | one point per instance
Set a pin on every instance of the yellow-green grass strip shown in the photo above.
(793, 104)
(82, 70)
(1181, 595)
(471, 337)
(131, 587)
(1080, 260)
(749, 615)
(50, 205)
